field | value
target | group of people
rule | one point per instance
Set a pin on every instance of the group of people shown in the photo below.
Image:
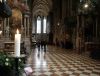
(42, 45)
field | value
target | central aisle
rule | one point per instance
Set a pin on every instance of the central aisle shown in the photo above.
(62, 62)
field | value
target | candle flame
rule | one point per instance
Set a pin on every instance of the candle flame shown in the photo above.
(17, 31)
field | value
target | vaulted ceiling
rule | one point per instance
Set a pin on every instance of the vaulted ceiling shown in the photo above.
(38, 7)
(41, 7)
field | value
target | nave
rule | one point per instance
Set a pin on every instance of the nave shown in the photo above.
(62, 62)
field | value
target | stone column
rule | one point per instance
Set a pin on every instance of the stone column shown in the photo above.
(24, 27)
(42, 35)
(96, 28)
(28, 25)
(48, 25)
(33, 26)
(5, 27)
(77, 34)
(21, 22)
(82, 34)
(42, 24)
(2, 25)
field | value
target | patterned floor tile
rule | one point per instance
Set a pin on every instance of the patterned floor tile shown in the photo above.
(62, 62)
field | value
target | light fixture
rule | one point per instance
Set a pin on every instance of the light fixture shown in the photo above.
(58, 23)
(0, 32)
(2, 0)
(86, 5)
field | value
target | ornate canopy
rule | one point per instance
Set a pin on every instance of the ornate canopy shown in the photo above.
(41, 7)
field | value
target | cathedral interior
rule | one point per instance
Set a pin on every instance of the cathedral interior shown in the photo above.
(49, 38)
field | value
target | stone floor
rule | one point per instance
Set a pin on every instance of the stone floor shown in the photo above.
(62, 62)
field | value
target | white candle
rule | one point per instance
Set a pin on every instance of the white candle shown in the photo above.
(17, 44)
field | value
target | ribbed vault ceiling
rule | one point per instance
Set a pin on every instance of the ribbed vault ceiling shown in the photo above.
(41, 7)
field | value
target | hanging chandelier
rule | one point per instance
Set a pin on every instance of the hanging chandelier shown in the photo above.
(86, 7)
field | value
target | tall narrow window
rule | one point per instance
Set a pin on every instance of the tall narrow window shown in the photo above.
(38, 25)
(44, 25)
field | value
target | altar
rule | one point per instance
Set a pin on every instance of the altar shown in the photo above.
(9, 47)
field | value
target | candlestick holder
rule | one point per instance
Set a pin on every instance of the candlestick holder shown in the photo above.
(16, 66)
(17, 60)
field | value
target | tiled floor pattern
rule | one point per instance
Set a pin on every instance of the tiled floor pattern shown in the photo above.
(62, 62)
